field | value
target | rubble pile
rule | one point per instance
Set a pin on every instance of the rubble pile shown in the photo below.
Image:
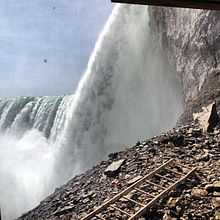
(197, 198)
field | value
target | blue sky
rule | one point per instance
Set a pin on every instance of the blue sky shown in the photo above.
(62, 32)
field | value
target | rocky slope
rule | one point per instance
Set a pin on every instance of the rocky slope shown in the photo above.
(192, 200)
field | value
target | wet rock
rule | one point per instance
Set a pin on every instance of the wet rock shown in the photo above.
(64, 210)
(138, 143)
(178, 210)
(168, 217)
(216, 202)
(116, 184)
(213, 187)
(198, 193)
(196, 132)
(165, 140)
(203, 117)
(208, 118)
(171, 203)
(216, 194)
(113, 156)
(217, 215)
(152, 150)
(203, 157)
(85, 200)
(113, 169)
(213, 119)
(178, 140)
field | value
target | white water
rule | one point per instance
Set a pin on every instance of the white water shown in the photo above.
(127, 93)
(26, 166)
(29, 128)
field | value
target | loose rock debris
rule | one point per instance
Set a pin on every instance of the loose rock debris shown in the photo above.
(87, 191)
(142, 194)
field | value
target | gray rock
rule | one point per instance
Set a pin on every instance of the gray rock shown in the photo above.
(113, 169)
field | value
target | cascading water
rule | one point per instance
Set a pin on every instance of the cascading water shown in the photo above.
(127, 93)
(28, 128)
(18, 115)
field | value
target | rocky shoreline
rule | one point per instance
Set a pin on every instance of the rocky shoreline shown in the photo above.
(197, 198)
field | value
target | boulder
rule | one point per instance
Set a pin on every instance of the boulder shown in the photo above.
(208, 118)
(168, 217)
(215, 187)
(113, 156)
(216, 202)
(178, 140)
(213, 119)
(198, 193)
(113, 169)
(171, 203)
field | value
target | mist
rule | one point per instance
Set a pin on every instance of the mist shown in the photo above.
(26, 169)
(129, 92)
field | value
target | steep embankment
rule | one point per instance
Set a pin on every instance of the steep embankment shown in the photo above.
(191, 200)
(191, 39)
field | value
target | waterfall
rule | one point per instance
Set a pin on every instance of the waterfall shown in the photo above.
(127, 93)
(28, 128)
(18, 115)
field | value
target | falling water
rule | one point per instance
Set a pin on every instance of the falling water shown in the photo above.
(128, 92)
(28, 128)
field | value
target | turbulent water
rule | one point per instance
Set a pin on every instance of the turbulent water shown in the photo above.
(29, 129)
(127, 93)
(45, 114)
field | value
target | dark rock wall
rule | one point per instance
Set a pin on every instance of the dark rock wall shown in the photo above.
(191, 39)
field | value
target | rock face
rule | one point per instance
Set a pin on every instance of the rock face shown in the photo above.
(191, 41)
